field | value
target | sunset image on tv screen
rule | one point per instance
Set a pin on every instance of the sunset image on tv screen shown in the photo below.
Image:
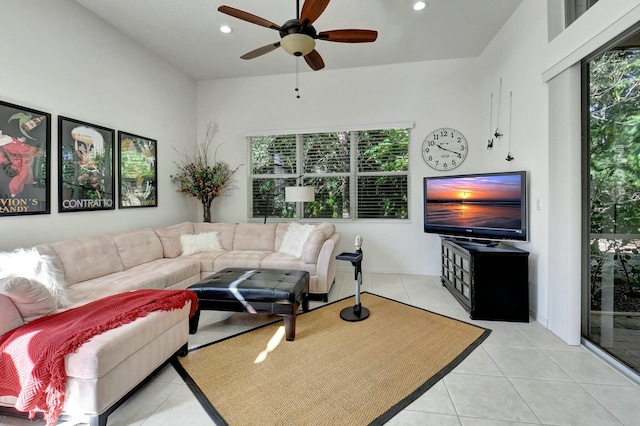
(475, 201)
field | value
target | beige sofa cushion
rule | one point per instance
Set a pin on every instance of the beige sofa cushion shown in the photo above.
(32, 299)
(170, 238)
(240, 259)
(131, 279)
(255, 236)
(85, 258)
(175, 270)
(281, 230)
(284, 261)
(226, 232)
(138, 247)
(105, 351)
(10, 317)
(125, 356)
(315, 241)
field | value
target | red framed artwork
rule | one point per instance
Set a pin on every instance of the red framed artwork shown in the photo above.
(25, 143)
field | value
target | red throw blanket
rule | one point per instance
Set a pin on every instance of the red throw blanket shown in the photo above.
(32, 355)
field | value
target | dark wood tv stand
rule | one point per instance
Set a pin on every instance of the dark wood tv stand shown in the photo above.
(489, 281)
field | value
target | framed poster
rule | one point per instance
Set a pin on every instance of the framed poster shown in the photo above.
(25, 143)
(86, 163)
(138, 177)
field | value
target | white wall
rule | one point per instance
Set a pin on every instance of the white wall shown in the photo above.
(61, 59)
(594, 30)
(565, 231)
(516, 55)
(429, 94)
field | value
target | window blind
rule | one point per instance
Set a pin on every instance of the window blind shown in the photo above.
(357, 174)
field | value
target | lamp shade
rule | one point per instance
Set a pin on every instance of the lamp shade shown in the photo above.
(297, 44)
(294, 194)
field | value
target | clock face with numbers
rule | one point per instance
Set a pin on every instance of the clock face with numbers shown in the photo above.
(444, 149)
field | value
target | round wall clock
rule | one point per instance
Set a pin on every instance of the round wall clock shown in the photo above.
(444, 149)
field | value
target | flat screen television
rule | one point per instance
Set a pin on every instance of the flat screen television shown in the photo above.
(484, 206)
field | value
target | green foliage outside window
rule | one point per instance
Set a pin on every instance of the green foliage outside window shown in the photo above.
(614, 144)
(373, 162)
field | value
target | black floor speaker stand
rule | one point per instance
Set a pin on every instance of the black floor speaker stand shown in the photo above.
(357, 312)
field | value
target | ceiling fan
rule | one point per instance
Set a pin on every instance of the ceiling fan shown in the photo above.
(298, 36)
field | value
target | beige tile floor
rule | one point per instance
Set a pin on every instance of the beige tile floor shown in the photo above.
(521, 375)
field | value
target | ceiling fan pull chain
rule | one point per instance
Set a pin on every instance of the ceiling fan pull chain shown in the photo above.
(298, 77)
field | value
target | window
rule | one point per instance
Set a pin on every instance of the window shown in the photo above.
(611, 288)
(357, 174)
(575, 8)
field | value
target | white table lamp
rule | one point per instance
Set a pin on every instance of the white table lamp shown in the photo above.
(296, 194)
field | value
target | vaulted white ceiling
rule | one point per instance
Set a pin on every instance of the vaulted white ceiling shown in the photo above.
(186, 32)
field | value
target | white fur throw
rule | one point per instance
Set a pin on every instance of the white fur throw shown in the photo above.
(294, 239)
(198, 243)
(29, 263)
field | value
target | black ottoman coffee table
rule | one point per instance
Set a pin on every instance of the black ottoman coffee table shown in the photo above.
(271, 291)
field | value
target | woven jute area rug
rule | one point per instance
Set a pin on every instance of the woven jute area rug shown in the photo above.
(335, 372)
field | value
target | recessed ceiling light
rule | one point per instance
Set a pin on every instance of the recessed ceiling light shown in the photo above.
(226, 29)
(419, 5)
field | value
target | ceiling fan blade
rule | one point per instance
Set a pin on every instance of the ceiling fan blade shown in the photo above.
(246, 16)
(314, 60)
(261, 51)
(349, 36)
(311, 10)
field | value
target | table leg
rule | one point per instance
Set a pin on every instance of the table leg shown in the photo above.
(193, 322)
(290, 323)
(290, 327)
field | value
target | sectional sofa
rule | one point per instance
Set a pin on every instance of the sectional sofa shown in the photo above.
(109, 367)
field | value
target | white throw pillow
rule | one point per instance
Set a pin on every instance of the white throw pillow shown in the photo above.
(294, 239)
(29, 263)
(32, 299)
(198, 243)
(10, 316)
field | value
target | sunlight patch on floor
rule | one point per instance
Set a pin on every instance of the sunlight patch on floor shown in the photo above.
(271, 345)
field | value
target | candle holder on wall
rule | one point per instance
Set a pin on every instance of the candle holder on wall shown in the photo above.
(509, 156)
(490, 140)
(497, 133)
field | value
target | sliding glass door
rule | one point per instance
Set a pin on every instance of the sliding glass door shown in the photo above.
(611, 319)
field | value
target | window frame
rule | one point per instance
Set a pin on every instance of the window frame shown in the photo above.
(352, 174)
(574, 9)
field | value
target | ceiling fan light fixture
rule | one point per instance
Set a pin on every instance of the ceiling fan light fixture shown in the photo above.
(298, 44)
